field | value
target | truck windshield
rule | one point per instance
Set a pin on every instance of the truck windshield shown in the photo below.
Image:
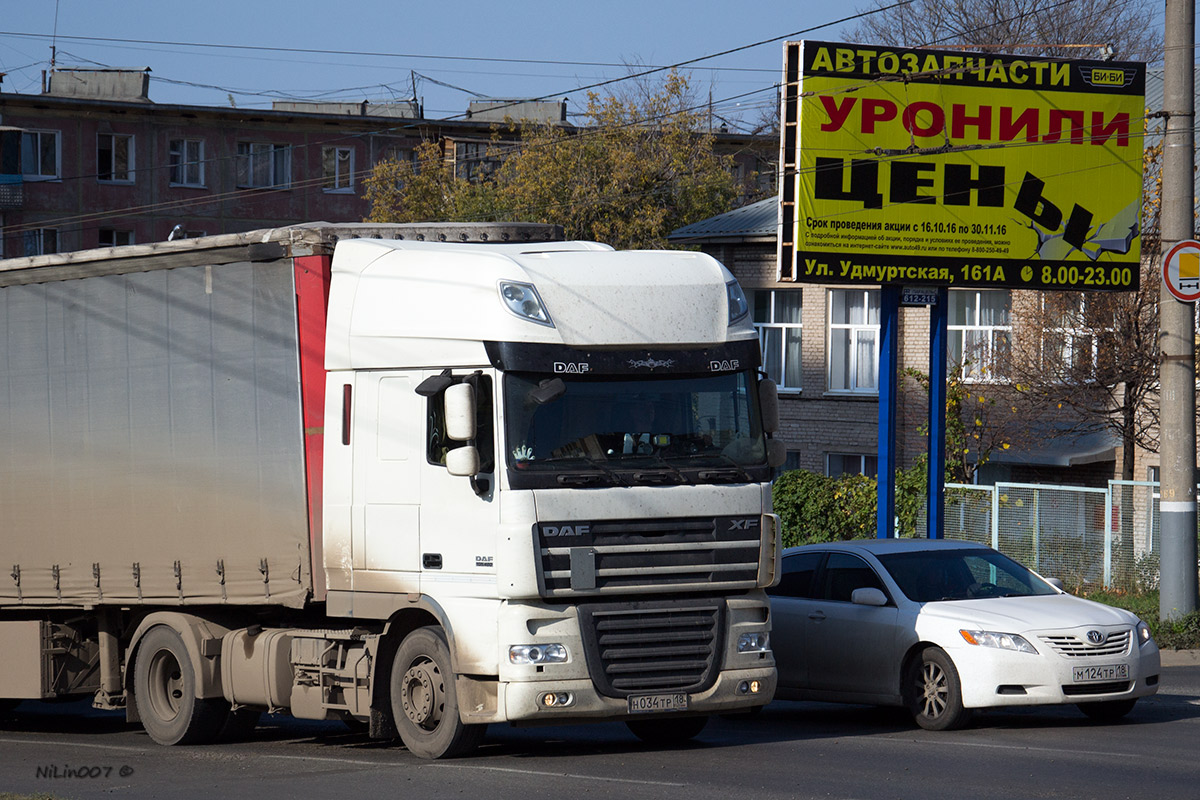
(669, 429)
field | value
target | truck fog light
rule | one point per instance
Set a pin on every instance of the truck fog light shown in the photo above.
(749, 687)
(537, 654)
(752, 643)
(523, 300)
(556, 699)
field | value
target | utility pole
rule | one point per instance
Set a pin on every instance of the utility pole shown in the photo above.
(1177, 337)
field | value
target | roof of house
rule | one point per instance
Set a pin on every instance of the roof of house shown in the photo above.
(755, 222)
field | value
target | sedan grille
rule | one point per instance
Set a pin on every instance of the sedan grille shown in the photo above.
(1078, 690)
(643, 647)
(1073, 647)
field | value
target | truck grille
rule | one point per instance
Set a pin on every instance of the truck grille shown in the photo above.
(1074, 647)
(631, 556)
(640, 647)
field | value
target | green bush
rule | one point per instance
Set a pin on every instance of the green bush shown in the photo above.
(816, 508)
(1181, 634)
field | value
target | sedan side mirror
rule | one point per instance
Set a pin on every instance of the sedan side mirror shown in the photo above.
(868, 596)
(1057, 584)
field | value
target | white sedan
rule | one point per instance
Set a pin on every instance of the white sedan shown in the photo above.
(943, 627)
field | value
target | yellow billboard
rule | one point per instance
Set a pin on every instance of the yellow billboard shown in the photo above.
(959, 169)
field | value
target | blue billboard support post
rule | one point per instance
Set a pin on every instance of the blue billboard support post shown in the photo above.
(939, 316)
(889, 329)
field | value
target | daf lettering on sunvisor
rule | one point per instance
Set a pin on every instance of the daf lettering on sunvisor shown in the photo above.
(566, 530)
(723, 366)
(565, 368)
(742, 524)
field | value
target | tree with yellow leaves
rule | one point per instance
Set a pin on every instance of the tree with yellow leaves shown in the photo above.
(642, 166)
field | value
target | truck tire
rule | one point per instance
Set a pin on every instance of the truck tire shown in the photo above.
(164, 683)
(667, 731)
(424, 701)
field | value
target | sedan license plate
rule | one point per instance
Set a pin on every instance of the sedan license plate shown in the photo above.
(650, 703)
(1097, 674)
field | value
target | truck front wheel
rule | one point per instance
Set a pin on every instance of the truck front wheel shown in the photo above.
(164, 683)
(424, 702)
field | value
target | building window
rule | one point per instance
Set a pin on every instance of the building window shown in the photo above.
(110, 237)
(980, 333)
(475, 161)
(39, 155)
(854, 340)
(1069, 343)
(777, 318)
(187, 162)
(262, 164)
(337, 166)
(114, 157)
(837, 464)
(40, 242)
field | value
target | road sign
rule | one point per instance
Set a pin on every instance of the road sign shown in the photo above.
(1181, 271)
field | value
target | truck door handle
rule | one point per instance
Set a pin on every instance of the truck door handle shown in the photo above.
(817, 616)
(432, 560)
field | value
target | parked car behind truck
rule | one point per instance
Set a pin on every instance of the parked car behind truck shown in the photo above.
(340, 472)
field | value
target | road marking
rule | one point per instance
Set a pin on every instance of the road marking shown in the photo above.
(599, 778)
(337, 760)
(1023, 748)
(118, 748)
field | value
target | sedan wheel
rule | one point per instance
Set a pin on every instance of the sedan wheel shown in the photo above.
(934, 695)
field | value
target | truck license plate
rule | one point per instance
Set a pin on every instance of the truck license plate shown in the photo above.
(648, 703)
(1105, 672)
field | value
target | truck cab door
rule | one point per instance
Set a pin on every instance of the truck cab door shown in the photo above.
(387, 436)
(458, 523)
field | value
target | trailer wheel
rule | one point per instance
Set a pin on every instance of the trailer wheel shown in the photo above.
(424, 702)
(164, 683)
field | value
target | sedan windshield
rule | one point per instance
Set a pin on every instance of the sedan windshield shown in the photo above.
(608, 425)
(929, 575)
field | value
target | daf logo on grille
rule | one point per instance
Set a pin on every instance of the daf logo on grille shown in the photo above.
(1095, 637)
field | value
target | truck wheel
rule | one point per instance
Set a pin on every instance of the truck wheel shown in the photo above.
(933, 693)
(424, 702)
(667, 731)
(164, 683)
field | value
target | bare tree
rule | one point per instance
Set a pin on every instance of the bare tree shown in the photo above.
(1059, 28)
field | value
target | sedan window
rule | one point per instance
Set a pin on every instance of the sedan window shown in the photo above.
(844, 573)
(929, 575)
(798, 571)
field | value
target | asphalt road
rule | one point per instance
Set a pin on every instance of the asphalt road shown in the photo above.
(791, 750)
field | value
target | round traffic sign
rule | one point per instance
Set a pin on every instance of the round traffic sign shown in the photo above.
(1181, 271)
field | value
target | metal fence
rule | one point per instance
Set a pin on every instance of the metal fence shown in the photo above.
(1089, 538)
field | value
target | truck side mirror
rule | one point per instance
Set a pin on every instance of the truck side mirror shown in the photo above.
(768, 401)
(463, 461)
(776, 453)
(459, 403)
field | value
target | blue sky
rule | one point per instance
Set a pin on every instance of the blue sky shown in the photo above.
(610, 32)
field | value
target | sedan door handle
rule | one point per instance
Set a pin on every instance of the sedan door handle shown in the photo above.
(817, 616)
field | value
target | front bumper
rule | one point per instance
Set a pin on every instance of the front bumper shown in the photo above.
(521, 700)
(992, 678)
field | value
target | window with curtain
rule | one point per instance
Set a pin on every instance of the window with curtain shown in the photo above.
(777, 318)
(979, 335)
(853, 355)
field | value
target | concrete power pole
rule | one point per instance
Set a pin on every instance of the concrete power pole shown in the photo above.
(1176, 337)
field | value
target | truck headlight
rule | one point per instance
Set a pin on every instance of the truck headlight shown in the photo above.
(1001, 641)
(523, 300)
(537, 654)
(738, 307)
(753, 643)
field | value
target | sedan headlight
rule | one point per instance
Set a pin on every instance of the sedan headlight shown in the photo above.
(537, 654)
(1143, 634)
(1003, 641)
